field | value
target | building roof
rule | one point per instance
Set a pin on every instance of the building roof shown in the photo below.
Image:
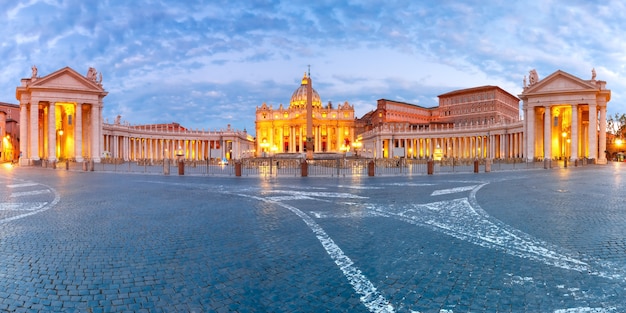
(406, 103)
(473, 89)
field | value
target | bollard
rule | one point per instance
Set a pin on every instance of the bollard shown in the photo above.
(371, 168)
(166, 166)
(576, 163)
(85, 165)
(487, 165)
(475, 166)
(430, 167)
(67, 165)
(181, 168)
(54, 165)
(304, 169)
(238, 169)
(564, 163)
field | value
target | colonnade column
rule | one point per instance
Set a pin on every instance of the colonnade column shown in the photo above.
(52, 138)
(593, 132)
(78, 132)
(574, 144)
(34, 131)
(95, 138)
(602, 136)
(547, 133)
(529, 139)
(23, 130)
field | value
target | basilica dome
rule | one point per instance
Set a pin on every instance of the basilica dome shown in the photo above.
(298, 98)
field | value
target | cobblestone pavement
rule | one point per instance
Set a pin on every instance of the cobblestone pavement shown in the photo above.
(519, 241)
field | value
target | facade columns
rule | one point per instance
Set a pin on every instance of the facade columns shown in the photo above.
(602, 136)
(34, 130)
(52, 132)
(547, 133)
(23, 131)
(593, 132)
(95, 130)
(78, 132)
(574, 148)
(529, 139)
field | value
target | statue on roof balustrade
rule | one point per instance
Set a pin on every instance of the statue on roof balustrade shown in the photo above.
(533, 77)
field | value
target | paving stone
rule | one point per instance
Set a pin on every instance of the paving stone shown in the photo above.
(522, 241)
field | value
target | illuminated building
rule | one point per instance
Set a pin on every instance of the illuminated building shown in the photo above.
(565, 117)
(60, 116)
(123, 141)
(283, 130)
(564, 111)
(9, 132)
(479, 122)
(61, 119)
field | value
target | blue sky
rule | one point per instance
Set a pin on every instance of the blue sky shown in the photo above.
(206, 64)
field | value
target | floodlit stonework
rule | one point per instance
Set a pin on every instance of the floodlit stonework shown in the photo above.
(480, 122)
(9, 132)
(60, 116)
(61, 119)
(564, 117)
(284, 130)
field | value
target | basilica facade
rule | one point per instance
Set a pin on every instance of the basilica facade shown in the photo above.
(283, 130)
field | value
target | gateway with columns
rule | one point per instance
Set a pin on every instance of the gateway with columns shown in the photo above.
(562, 120)
(61, 119)
(60, 116)
(564, 117)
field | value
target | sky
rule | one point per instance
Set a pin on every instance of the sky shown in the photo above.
(210, 64)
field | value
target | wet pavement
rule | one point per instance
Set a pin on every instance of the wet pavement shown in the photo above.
(517, 241)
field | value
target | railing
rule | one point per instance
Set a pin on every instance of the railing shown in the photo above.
(293, 167)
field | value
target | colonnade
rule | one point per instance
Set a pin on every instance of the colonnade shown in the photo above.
(490, 142)
(132, 143)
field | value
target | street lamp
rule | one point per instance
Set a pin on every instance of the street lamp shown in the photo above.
(264, 145)
(60, 132)
(181, 164)
(564, 135)
(357, 145)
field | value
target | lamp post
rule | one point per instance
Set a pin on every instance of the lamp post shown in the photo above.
(59, 143)
(357, 145)
(564, 135)
(264, 146)
(181, 162)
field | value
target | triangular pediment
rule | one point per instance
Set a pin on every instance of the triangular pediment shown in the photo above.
(67, 79)
(559, 82)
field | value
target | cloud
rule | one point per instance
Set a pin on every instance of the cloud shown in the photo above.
(207, 64)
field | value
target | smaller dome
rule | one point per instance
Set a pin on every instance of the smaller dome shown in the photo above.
(298, 98)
